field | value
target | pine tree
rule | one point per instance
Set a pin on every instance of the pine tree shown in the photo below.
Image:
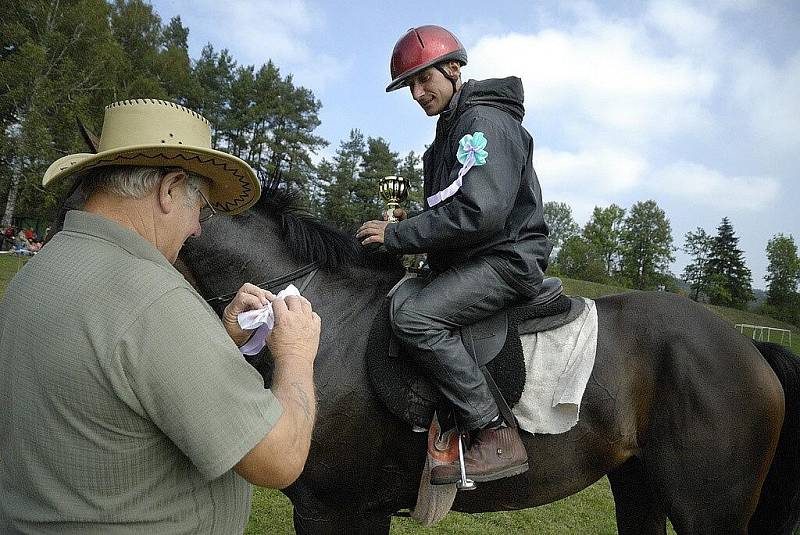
(213, 75)
(729, 282)
(646, 246)
(379, 161)
(339, 195)
(411, 170)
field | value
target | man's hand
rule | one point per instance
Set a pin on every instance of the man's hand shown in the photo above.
(372, 232)
(278, 459)
(399, 213)
(296, 331)
(249, 297)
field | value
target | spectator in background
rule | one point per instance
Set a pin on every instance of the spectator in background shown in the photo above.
(8, 239)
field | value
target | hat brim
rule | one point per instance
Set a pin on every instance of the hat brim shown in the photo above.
(235, 186)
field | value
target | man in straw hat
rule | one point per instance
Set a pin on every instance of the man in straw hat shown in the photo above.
(134, 411)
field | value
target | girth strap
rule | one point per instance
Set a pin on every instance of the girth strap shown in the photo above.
(502, 405)
(505, 410)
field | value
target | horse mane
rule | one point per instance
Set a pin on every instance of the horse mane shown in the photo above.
(312, 240)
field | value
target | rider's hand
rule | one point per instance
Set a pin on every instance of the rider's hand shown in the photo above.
(372, 232)
(249, 297)
(296, 331)
(399, 214)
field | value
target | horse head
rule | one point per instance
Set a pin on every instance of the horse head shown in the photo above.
(359, 450)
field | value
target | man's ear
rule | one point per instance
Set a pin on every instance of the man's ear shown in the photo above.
(454, 68)
(169, 188)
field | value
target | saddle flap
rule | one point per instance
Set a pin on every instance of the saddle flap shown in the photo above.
(485, 339)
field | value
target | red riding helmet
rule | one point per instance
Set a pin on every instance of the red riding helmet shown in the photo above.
(420, 48)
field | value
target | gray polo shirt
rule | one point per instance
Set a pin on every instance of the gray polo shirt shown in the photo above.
(124, 404)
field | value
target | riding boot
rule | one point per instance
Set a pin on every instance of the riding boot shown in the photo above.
(495, 453)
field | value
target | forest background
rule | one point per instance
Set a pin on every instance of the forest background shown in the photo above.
(62, 60)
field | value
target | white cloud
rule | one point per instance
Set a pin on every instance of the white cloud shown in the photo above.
(600, 171)
(769, 96)
(256, 31)
(601, 74)
(685, 24)
(735, 5)
(700, 185)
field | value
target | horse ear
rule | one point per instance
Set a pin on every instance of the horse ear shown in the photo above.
(92, 141)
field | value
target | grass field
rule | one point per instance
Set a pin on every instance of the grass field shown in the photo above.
(589, 512)
(9, 265)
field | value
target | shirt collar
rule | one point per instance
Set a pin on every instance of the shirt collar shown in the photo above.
(100, 227)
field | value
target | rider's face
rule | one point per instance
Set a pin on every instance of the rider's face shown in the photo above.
(432, 90)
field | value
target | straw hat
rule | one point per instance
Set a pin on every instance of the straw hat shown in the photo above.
(156, 133)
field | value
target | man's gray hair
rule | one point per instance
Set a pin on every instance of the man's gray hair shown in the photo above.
(134, 182)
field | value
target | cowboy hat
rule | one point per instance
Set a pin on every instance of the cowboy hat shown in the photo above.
(157, 133)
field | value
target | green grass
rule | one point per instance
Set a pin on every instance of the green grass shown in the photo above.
(9, 265)
(591, 511)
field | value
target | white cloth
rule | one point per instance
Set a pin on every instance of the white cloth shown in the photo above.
(558, 364)
(262, 320)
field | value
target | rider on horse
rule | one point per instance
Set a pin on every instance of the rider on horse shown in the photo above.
(483, 231)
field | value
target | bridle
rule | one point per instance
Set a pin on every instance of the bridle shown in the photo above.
(308, 271)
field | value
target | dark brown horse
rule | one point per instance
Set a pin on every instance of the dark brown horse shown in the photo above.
(688, 418)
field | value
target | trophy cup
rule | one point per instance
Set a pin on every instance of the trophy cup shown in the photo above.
(393, 190)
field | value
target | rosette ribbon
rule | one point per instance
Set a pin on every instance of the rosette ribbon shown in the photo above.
(470, 153)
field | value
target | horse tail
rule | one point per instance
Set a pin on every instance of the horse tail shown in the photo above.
(778, 510)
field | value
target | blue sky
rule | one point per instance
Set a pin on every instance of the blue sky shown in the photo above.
(693, 104)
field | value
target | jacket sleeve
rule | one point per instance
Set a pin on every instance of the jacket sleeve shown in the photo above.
(480, 206)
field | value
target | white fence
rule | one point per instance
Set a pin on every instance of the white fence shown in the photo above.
(759, 330)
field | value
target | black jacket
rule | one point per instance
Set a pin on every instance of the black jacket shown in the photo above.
(497, 213)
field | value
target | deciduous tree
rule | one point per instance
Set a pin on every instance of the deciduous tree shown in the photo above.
(578, 259)
(783, 276)
(698, 246)
(603, 232)
(558, 216)
(647, 250)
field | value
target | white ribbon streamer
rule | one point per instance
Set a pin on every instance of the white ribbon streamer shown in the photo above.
(453, 188)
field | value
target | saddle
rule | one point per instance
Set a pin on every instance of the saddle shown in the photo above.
(494, 342)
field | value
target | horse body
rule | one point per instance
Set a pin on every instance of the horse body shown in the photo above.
(682, 412)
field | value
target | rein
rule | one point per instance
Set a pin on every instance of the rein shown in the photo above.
(309, 270)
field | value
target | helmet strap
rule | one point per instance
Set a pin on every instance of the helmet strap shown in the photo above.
(453, 79)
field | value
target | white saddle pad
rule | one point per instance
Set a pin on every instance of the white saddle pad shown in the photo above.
(558, 364)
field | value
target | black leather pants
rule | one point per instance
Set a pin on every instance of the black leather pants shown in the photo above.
(429, 322)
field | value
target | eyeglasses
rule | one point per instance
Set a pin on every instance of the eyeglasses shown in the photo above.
(207, 211)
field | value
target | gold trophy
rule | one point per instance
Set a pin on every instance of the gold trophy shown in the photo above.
(394, 190)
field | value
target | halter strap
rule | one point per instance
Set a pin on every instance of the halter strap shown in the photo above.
(309, 270)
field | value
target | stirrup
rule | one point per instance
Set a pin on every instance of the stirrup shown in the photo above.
(464, 484)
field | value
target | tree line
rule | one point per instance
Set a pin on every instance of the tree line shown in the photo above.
(62, 59)
(633, 248)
